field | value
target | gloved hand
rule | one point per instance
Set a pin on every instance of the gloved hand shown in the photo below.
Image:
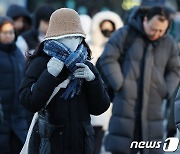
(84, 72)
(54, 66)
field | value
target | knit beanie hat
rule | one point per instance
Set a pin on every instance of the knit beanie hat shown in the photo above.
(64, 22)
(43, 12)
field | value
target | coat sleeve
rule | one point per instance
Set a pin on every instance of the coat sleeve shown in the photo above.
(97, 97)
(110, 57)
(172, 73)
(177, 110)
(37, 86)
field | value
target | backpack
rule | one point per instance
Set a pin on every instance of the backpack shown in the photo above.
(128, 42)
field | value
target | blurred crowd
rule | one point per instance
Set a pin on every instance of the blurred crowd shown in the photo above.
(20, 34)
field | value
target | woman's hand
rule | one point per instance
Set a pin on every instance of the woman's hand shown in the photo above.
(84, 72)
(54, 66)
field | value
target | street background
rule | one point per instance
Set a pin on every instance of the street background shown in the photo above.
(91, 7)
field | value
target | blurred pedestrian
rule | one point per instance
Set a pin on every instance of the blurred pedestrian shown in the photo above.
(28, 41)
(21, 17)
(103, 25)
(15, 124)
(86, 25)
(62, 60)
(148, 74)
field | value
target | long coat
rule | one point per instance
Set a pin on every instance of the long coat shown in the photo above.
(148, 74)
(12, 64)
(74, 133)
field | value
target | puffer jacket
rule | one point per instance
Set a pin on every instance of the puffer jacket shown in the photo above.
(149, 73)
(16, 117)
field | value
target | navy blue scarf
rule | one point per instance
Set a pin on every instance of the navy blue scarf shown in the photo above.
(58, 50)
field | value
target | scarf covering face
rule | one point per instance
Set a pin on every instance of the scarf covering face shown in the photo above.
(58, 50)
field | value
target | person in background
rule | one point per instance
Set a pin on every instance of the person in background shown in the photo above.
(148, 74)
(14, 127)
(86, 25)
(103, 25)
(63, 61)
(28, 41)
(21, 17)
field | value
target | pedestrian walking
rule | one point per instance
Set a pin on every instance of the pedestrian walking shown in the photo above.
(103, 25)
(142, 77)
(29, 40)
(14, 127)
(62, 60)
(21, 17)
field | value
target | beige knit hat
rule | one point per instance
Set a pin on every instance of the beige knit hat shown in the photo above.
(64, 22)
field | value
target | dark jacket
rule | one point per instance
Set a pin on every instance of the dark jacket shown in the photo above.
(31, 38)
(177, 110)
(16, 117)
(74, 133)
(15, 11)
(149, 73)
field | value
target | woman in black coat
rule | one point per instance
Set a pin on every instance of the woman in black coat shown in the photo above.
(62, 60)
(13, 129)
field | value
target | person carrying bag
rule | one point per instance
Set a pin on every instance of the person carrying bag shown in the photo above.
(64, 127)
(44, 126)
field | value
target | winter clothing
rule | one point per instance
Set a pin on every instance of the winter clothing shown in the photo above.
(73, 129)
(149, 73)
(55, 66)
(64, 22)
(15, 11)
(174, 31)
(30, 39)
(58, 50)
(15, 124)
(72, 132)
(177, 109)
(4, 20)
(88, 75)
(97, 43)
(98, 40)
(43, 12)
